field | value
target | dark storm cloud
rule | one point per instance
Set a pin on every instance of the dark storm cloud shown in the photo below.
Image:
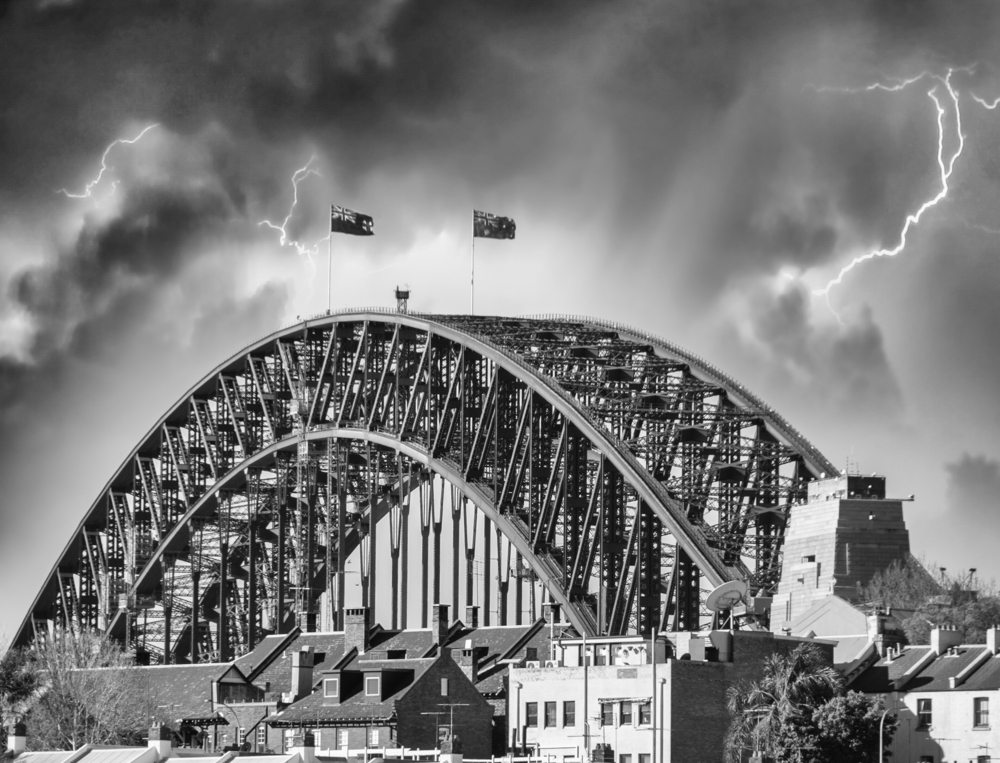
(843, 365)
(137, 251)
(973, 492)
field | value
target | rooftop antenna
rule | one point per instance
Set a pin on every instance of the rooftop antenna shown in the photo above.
(402, 298)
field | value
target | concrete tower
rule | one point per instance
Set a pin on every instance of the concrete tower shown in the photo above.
(845, 532)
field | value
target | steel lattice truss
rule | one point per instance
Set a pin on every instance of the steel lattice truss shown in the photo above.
(610, 469)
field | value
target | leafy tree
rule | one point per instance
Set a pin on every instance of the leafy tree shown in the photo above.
(798, 713)
(768, 714)
(847, 728)
(18, 684)
(904, 584)
(84, 695)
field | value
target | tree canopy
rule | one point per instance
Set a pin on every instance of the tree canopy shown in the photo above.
(798, 712)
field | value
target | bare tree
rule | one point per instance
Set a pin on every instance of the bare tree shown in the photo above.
(84, 695)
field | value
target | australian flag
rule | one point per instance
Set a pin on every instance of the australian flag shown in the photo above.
(487, 225)
(343, 220)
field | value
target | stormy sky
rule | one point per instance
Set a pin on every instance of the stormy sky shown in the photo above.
(698, 170)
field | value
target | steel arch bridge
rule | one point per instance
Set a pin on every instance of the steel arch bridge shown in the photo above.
(395, 460)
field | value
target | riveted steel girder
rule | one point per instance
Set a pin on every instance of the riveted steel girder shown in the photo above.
(620, 473)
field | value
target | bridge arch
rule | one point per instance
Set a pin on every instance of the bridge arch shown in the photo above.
(609, 469)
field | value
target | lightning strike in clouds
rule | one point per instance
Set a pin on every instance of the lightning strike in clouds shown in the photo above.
(285, 240)
(986, 104)
(945, 165)
(89, 188)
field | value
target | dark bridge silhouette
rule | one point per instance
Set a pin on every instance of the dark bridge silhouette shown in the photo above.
(391, 460)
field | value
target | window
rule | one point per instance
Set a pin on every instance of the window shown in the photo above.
(569, 713)
(624, 758)
(550, 714)
(331, 687)
(261, 736)
(531, 714)
(625, 713)
(981, 712)
(923, 713)
(607, 714)
(644, 757)
(645, 713)
(372, 686)
(372, 737)
(444, 687)
(982, 759)
(531, 653)
(342, 738)
(926, 759)
(241, 735)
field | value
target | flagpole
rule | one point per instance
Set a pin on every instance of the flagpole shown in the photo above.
(329, 276)
(472, 310)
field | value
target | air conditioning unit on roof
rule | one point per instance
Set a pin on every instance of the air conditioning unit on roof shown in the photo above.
(532, 664)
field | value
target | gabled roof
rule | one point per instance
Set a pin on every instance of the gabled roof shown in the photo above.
(269, 647)
(356, 708)
(986, 677)
(881, 677)
(948, 665)
(970, 664)
(277, 675)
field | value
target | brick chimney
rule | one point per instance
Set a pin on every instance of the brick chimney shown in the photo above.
(161, 740)
(357, 623)
(468, 659)
(302, 672)
(944, 638)
(993, 639)
(17, 739)
(472, 616)
(439, 624)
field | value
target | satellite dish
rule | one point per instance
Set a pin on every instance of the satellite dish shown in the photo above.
(726, 596)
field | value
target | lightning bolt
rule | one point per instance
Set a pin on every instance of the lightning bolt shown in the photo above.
(89, 188)
(284, 239)
(946, 164)
(986, 104)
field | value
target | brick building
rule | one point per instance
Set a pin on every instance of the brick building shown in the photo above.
(211, 706)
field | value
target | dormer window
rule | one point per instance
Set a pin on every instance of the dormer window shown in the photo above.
(331, 687)
(373, 686)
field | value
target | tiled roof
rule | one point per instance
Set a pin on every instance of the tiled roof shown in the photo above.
(936, 674)
(354, 708)
(258, 657)
(175, 691)
(48, 756)
(120, 755)
(328, 647)
(879, 678)
(986, 677)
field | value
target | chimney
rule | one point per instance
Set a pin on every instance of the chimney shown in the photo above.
(302, 672)
(439, 624)
(356, 626)
(161, 740)
(468, 659)
(993, 639)
(472, 616)
(942, 639)
(17, 739)
(305, 746)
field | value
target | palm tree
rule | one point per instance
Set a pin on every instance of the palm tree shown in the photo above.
(764, 712)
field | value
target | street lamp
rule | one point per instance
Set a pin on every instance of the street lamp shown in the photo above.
(881, 729)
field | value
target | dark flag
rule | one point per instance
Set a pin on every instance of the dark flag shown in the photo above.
(344, 220)
(486, 225)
